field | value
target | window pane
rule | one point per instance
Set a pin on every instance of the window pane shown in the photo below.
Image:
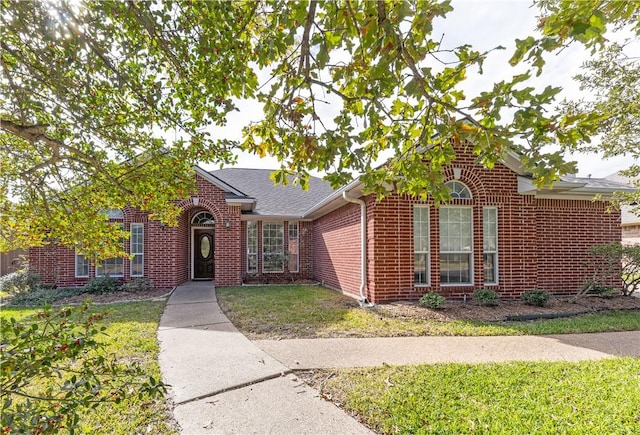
(420, 269)
(421, 245)
(455, 229)
(293, 247)
(273, 246)
(137, 249)
(137, 268)
(252, 263)
(420, 229)
(252, 247)
(82, 265)
(455, 268)
(458, 190)
(111, 267)
(490, 268)
(490, 229)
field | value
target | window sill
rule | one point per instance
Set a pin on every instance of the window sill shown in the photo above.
(461, 284)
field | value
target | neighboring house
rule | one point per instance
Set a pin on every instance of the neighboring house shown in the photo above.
(498, 232)
(629, 220)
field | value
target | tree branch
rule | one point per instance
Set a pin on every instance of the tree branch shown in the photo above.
(305, 50)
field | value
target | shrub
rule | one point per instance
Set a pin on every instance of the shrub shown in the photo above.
(432, 300)
(22, 281)
(42, 296)
(486, 297)
(538, 298)
(603, 291)
(136, 285)
(102, 284)
(610, 265)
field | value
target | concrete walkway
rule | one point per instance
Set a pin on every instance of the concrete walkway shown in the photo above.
(223, 383)
(368, 352)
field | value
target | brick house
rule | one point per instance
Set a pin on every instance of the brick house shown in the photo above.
(498, 232)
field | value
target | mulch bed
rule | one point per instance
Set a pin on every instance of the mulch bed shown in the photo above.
(454, 310)
(451, 310)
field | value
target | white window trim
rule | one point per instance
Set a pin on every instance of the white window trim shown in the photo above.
(428, 252)
(496, 263)
(255, 253)
(263, 245)
(297, 245)
(470, 253)
(140, 254)
(75, 266)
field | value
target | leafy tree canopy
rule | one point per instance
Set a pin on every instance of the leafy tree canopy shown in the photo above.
(107, 104)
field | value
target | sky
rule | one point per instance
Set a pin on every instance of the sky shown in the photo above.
(485, 24)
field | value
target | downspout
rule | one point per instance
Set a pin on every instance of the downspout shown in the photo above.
(363, 246)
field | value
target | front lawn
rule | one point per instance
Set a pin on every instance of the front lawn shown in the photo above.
(273, 312)
(131, 336)
(590, 397)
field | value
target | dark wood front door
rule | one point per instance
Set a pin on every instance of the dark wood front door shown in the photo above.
(203, 250)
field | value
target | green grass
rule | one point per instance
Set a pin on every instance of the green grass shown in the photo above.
(310, 311)
(131, 335)
(592, 397)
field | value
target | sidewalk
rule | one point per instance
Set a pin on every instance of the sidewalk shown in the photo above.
(367, 352)
(224, 383)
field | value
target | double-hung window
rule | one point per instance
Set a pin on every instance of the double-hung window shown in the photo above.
(294, 247)
(421, 245)
(273, 247)
(137, 249)
(252, 247)
(490, 244)
(111, 266)
(456, 245)
(82, 265)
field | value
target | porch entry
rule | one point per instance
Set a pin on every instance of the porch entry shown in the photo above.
(203, 246)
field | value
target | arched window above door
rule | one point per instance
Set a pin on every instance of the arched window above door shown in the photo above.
(458, 190)
(204, 218)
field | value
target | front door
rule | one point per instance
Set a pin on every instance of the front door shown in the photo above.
(203, 250)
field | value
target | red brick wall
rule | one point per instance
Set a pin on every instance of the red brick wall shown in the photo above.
(336, 249)
(565, 231)
(541, 243)
(167, 255)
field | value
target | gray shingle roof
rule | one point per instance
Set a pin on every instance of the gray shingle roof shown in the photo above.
(599, 183)
(274, 200)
